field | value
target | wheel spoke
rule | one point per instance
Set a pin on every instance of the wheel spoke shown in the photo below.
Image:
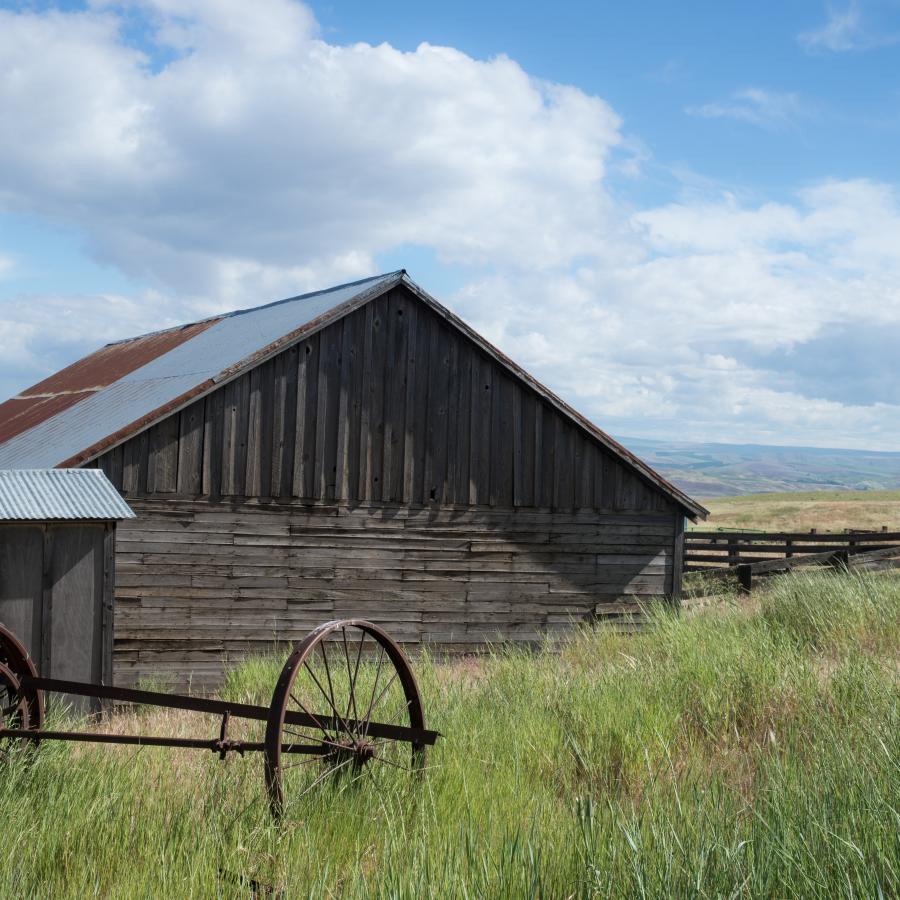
(304, 735)
(323, 776)
(374, 688)
(384, 690)
(320, 741)
(314, 718)
(389, 763)
(303, 762)
(330, 685)
(308, 737)
(337, 715)
(395, 718)
(351, 700)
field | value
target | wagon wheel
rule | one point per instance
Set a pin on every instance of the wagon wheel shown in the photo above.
(13, 710)
(15, 664)
(340, 709)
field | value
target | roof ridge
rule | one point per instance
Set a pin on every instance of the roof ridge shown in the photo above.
(249, 309)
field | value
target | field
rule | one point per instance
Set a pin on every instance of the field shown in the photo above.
(823, 510)
(745, 751)
(721, 470)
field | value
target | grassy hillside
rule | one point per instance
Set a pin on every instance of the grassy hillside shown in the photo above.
(824, 510)
(716, 470)
(750, 752)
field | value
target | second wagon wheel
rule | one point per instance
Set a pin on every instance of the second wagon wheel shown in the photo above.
(19, 708)
(346, 705)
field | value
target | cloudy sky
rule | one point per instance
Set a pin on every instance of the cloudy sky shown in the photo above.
(684, 218)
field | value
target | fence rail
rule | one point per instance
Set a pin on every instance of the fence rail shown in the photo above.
(704, 549)
(749, 555)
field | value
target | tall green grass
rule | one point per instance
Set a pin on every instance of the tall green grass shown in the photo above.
(737, 753)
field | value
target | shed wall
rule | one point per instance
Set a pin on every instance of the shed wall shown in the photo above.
(55, 595)
(203, 583)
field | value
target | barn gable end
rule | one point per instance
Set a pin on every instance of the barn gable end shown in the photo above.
(389, 403)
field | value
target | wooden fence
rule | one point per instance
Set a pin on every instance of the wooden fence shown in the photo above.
(751, 554)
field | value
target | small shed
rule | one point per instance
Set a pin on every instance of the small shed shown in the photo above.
(57, 568)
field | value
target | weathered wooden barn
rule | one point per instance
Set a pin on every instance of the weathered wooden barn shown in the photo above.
(355, 451)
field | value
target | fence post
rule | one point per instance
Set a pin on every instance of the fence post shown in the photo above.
(788, 553)
(841, 560)
(745, 578)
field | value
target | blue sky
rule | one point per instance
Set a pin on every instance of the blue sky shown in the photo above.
(654, 60)
(683, 218)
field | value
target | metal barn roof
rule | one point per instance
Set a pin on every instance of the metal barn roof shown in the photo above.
(107, 397)
(137, 381)
(38, 495)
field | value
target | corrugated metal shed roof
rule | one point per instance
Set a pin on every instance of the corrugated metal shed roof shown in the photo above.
(38, 495)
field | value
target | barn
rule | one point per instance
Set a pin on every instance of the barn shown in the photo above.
(354, 451)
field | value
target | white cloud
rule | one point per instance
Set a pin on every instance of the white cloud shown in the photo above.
(641, 345)
(248, 155)
(756, 106)
(249, 159)
(844, 30)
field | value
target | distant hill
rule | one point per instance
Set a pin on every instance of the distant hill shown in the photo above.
(722, 470)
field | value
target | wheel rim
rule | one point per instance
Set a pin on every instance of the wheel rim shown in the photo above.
(13, 710)
(351, 678)
(15, 658)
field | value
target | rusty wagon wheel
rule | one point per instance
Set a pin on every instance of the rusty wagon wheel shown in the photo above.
(353, 683)
(20, 708)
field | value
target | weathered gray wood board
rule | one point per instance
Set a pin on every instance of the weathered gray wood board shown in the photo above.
(389, 404)
(56, 593)
(21, 583)
(75, 620)
(201, 584)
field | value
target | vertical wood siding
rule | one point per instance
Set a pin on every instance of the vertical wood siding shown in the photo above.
(387, 404)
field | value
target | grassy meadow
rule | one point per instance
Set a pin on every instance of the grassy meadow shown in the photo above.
(746, 751)
(824, 510)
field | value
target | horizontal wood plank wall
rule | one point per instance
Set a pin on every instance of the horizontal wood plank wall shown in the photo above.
(387, 404)
(201, 584)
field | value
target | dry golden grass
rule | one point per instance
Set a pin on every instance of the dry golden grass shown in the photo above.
(823, 510)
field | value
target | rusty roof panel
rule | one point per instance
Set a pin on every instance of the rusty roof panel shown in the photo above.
(19, 414)
(87, 376)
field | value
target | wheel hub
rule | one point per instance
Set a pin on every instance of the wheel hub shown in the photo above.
(357, 751)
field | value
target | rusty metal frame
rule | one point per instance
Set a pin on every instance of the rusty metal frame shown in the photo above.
(31, 687)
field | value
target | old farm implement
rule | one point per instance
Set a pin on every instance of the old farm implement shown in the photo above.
(346, 702)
